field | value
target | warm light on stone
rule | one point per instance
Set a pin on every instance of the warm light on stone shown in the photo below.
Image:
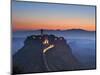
(46, 42)
(46, 49)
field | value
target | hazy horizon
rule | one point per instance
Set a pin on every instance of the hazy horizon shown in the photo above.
(56, 30)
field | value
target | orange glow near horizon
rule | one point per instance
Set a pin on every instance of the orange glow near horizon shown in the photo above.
(52, 24)
(35, 16)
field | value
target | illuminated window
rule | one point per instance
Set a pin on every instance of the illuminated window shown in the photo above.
(46, 42)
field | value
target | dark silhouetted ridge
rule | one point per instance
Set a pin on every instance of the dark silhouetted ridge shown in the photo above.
(44, 53)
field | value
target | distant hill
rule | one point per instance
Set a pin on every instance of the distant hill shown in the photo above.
(70, 30)
(79, 30)
(74, 30)
(71, 33)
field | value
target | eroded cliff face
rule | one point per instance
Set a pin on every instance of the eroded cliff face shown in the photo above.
(44, 53)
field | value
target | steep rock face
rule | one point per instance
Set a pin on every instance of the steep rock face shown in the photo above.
(44, 53)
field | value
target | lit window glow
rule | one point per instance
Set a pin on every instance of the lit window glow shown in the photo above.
(46, 42)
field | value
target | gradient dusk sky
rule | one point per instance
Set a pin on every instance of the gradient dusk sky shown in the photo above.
(34, 15)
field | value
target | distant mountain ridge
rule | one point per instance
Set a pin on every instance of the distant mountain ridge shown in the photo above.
(76, 30)
(71, 33)
(79, 31)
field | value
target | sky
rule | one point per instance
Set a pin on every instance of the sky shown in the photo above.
(34, 16)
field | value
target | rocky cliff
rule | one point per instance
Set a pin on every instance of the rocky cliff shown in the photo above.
(44, 53)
